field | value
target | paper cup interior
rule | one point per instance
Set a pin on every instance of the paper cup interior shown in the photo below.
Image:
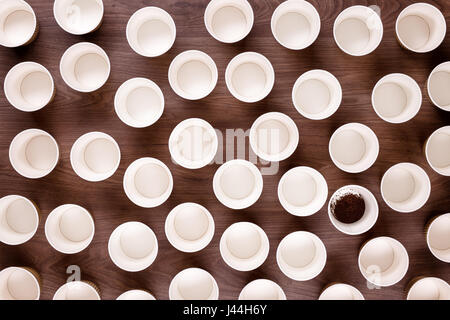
(33, 153)
(229, 20)
(69, 228)
(358, 30)
(438, 84)
(295, 24)
(17, 23)
(262, 289)
(438, 239)
(139, 102)
(193, 143)
(244, 246)
(238, 184)
(421, 27)
(193, 284)
(396, 98)
(18, 284)
(76, 290)
(250, 77)
(139, 190)
(78, 16)
(189, 227)
(405, 187)
(151, 32)
(301, 255)
(437, 151)
(136, 295)
(85, 67)
(429, 288)
(341, 291)
(95, 156)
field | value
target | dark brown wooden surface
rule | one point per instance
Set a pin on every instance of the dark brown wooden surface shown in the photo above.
(72, 114)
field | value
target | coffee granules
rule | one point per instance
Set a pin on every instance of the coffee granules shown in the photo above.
(348, 206)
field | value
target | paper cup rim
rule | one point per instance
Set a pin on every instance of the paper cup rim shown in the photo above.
(35, 24)
(281, 294)
(357, 295)
(440, 282)
(174, 293)
(123, 295)
(436, 69)
(85, 284)
(72, 31)
(432, 250)
(26, 270)
(427, 145)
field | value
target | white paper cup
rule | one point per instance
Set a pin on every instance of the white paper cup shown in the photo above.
(250, 77)
(238, 184)
(95, 156)
(302, 191)
(274, 136)
(421, 27)
(77, 290)
(189, 227)
(69, 228)
(295, 24)
(438, 84)
(19, 284)
(341, 291)
(85, 67)
(78, 16)
(193, 74)
(193, 143)
(139, 102)
(301, 255)
(151, 32)
(358, 30)
(19, 219)
(383, 261)
(317, 94)
(18, 23)
(405, 187)
(33, 153)
(429, 288)
(366, 222)
(229, 21)
(29, 86)
(354, 147)
(139, 190)
(136, 295)
(133, 246)
(244, 246)
(438, 240)
(437, 151)
(396, 98)
(193, 284)
(262, 289)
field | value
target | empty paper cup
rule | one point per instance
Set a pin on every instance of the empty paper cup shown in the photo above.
(69, 228)
(438, 239)
(33, 153)
(341, 291)
(133, 246)
(78, 16)
(85, 67)
(396, 98)
(20, 219)
(148, 182)
(429, 288)
(437, 151)
(369, 218)
(317, 94)
(139, 102)
(151, 32)
(193, 143)
(302, 191)
(193, 75)
(405, 187)
(193, 284)
(358, 30)
(438, 84)
(29, 86)
(295, 24)
(77, 290)
(383, 261)
(250, 77)
(262, 289)
(189, 227)
(244, 246)
(354, 147)
(95, 156)
(238, 184)
(18, 23)
(301, 255)
(136, 295)
(274, 136)
(421, 27)
(19, 284)
(229, 21)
